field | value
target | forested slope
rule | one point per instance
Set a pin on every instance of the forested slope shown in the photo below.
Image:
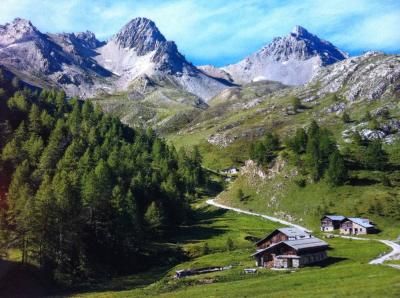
(83, 195)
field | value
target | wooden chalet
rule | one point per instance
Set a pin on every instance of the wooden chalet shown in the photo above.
(292, 253)
(356, 226)
(282, 234)
(330, 223)
(289, 248)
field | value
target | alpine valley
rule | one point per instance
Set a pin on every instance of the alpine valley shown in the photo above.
(149, 146)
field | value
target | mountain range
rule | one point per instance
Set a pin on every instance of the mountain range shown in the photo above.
(84, 66)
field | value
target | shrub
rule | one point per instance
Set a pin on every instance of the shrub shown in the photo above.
(301, 182)
(229, 244)
(346, 118)
(206, 249)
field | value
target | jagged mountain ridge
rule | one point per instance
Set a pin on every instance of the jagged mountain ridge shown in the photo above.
(293, 59)
(84, 66)
(369, 77)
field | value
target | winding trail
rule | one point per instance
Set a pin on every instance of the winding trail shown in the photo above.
(395, 252)
(271, 218)
(380, 260)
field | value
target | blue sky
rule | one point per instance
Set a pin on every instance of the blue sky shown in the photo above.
(219, 31)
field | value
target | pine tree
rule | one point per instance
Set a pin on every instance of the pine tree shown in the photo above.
(375, 157)
(336, 173)
(153, 216)
(34, 120)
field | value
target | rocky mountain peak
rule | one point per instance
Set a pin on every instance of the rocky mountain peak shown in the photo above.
(88, 39)
(292, 59)
(141, 34)
(299, 31)
(301, 45)
(19, 30)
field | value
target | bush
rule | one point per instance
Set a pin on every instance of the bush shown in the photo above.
(229, 244)
(386, 181)
(301, 182)
(206, 249)
(346, 118)
(296, 103)
(240, 195)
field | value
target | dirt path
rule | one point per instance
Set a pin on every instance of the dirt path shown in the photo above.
(380, 260)
(394, 253)
(271, 218)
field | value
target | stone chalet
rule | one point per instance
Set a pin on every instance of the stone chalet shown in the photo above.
(289, 248)
(356, 226)
(329, 223)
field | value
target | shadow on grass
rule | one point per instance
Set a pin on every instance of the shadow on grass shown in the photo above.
(198, 231)
(22, 280)
(362, 181)
(189, 233)
(121, 283)
(327, 262)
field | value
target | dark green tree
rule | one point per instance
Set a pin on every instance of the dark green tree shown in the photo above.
(336, 173)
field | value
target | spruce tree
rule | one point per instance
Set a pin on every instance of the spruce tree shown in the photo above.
(336, 173)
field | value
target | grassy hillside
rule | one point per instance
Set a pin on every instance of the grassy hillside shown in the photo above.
(344, 274)
(280, 196)
(150, 103)
(225, 131)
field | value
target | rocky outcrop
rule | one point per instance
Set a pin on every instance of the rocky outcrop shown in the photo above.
(215, 72)
(369, 77)
(388, 131)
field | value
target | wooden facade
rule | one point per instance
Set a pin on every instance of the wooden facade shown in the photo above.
(280, 235)
(274, 238)
(283, 255)
(289, 248)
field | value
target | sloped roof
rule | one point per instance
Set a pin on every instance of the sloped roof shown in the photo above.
(364, 222)
(335, 217)
(294, 232)
(288, 231)
(304, 243)
(298, 244)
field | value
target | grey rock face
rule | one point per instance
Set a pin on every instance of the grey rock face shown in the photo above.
(140, 34)
(19, 30)
(84, 66)
(336, 107)
(367, 77)
(215, 72)
(59, 60)
(292, 60)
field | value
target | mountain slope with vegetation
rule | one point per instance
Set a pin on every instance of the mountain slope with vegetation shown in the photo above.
(300, 182)
(83, 195)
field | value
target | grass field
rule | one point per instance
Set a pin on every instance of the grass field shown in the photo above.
(280, 196)
(346, 273)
